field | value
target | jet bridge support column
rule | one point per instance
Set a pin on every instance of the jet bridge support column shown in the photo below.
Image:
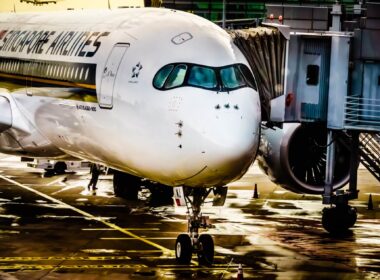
(340, 216)
(354, 164)
(329, 173)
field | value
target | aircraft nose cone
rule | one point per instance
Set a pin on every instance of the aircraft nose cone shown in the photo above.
(233, 150)
(228, 134)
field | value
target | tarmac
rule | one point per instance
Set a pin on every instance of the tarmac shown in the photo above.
(51, 227)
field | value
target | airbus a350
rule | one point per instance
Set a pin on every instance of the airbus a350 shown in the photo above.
(152, 93)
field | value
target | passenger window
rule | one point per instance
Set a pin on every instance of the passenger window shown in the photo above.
(202, 77)
(162, 75)
(232, 78)
(177, 76)
(312, 75)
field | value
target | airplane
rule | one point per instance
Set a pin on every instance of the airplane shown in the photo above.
(39, 2)
(151, 93)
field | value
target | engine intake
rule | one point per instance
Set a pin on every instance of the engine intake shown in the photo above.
(295, 158)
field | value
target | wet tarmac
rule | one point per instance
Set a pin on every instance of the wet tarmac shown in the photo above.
(53, 228)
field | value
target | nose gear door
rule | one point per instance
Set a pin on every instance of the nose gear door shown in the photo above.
(109, 75)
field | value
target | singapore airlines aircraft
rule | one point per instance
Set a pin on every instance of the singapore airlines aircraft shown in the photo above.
(153, 93)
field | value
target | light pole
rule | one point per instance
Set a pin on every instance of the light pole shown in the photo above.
(224, 15)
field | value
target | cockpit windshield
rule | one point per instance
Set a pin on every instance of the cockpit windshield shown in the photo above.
(225, 78)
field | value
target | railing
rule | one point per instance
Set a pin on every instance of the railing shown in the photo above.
(362, 113)
(370, 153)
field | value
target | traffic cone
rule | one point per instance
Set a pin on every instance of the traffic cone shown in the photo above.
(370, 203)
(255, 193)
(240, 272)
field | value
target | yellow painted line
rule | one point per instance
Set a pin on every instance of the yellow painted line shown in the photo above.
(218, 266)
(143, 251)
(90, 266)
(90, 216)
(48, 81)
(74, 258)
(158, 258)
(129, 238)
(55, 181)
(197, 268)
(130, 229)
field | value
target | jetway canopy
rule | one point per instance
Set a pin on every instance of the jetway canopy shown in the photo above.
(265, 50)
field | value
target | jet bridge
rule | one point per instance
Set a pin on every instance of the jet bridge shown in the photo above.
(327, 81)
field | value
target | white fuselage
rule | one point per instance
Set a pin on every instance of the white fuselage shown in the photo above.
(91, 95)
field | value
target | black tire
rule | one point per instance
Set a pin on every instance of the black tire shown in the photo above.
(338, 220)
(206, 250)
(183, 249)
(352, 216)
(60, 168)
(126, 186)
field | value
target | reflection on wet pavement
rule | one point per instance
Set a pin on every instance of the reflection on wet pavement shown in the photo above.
(278, 236)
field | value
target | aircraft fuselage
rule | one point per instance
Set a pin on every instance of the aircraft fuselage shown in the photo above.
(88, 85)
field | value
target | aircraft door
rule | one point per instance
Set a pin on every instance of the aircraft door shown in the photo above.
(109, 75)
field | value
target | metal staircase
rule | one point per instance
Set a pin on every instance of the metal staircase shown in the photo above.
(370, 152)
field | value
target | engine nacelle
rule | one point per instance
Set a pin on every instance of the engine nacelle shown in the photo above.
(18, 134)
(295, 158)
(5, 114)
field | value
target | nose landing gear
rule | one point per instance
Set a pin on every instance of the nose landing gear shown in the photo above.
(193, 242)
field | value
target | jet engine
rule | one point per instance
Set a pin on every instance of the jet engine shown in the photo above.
(295, 158)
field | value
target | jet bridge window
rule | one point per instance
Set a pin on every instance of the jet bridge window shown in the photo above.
(312, 75)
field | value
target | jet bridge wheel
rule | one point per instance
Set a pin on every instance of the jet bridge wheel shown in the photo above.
(338, 219)
(125, 185)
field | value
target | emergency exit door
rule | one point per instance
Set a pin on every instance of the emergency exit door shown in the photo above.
(109, 75)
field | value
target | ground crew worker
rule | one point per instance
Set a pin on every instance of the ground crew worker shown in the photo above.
(94, 171)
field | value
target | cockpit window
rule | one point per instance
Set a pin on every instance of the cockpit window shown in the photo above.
(248, 76)
(177, 77)
(226, 78)
(202, 77)
(232, 78)
(162, 75)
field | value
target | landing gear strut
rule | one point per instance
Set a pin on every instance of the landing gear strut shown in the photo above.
(338, 218)
(193, 242)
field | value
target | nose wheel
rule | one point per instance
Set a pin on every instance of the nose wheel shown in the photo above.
(183, 249)
(193, 242)
(205, 250)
